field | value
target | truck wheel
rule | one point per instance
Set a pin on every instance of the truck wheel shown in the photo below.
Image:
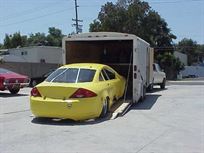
(104, 109)
(162, 85)
(150, 87)
(14, 91)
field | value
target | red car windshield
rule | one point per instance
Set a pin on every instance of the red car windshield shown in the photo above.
(2, 71)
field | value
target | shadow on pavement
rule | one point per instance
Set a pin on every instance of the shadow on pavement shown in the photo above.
(147, 104)
(156, 90)
(6, 95)
(68, 122)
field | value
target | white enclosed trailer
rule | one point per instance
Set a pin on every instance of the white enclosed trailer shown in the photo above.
(128, 54)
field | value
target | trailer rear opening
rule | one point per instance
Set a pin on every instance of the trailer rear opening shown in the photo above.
(115, 53)
(128, 54)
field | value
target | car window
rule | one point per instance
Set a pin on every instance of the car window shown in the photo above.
(111, 74)
(158, 68)
(105, 75)
(68, 76)
(72, 75)
(86, 75)
(55, 74)
(101, 77)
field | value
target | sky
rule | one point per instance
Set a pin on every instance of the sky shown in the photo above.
(185, 18)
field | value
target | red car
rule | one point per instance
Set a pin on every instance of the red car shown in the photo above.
(12, 81)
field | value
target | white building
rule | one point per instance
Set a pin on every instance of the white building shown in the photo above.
(35, 54)
(193, 71)
(182, 57)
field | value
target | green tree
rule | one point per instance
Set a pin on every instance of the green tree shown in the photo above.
(37, 39)
(200, 51)
(7, 41)
(54, 38)
(189, 47)
(24, 40)
(16, 40)
(171, 65)
(135, 17)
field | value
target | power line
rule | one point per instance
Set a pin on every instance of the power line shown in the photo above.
(30, 11)
(35, 18)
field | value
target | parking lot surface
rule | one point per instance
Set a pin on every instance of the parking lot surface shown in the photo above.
(168, 121)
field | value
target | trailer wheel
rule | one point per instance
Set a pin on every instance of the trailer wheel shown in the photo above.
(104, 109)
(162, 85)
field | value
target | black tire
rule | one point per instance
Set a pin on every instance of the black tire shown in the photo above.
(104, 109)
(14, 91)
(163, 84)
(150, 87)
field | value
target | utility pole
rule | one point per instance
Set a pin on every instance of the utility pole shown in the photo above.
(78, 27)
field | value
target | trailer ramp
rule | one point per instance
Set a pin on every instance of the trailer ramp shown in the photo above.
(120, 108)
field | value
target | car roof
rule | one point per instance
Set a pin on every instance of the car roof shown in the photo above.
(84, 65)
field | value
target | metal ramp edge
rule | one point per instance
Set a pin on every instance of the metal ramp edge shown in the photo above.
(121, 109)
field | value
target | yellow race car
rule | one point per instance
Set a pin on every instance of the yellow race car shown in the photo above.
(78, 92)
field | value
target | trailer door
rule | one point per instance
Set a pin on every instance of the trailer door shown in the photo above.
(137, 82)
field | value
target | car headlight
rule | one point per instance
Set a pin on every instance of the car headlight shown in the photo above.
(6, 81)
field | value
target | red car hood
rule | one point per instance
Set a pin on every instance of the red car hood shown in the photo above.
(13, 75)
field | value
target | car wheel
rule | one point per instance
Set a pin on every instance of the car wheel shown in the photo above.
(150, 87)
(162, 85)
(34, 83)
(14, 91)
(104, 109)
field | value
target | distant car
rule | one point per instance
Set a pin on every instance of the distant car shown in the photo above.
(77, 92)
(36, 80)
(12, 81)
(159, 77)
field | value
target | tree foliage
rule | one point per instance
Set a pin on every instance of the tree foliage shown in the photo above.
(37, 39)
(135, 17)
(7, 41)
(54, 38)
(171, 65)
(193, 51)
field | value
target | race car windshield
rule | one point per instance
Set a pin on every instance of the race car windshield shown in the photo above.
(72, 75)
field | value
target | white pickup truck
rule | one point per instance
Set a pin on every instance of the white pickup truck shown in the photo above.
(159, 77)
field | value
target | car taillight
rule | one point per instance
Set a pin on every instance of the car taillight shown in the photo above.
(2, 79)
(1, 82)
(35, 93)
(83, 93)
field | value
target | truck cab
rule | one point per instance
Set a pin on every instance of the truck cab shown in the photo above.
(159, 77)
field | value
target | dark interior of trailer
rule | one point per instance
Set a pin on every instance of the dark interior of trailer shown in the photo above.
(115, 53)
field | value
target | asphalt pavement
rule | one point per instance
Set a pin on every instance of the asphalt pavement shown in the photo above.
(168, 121)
